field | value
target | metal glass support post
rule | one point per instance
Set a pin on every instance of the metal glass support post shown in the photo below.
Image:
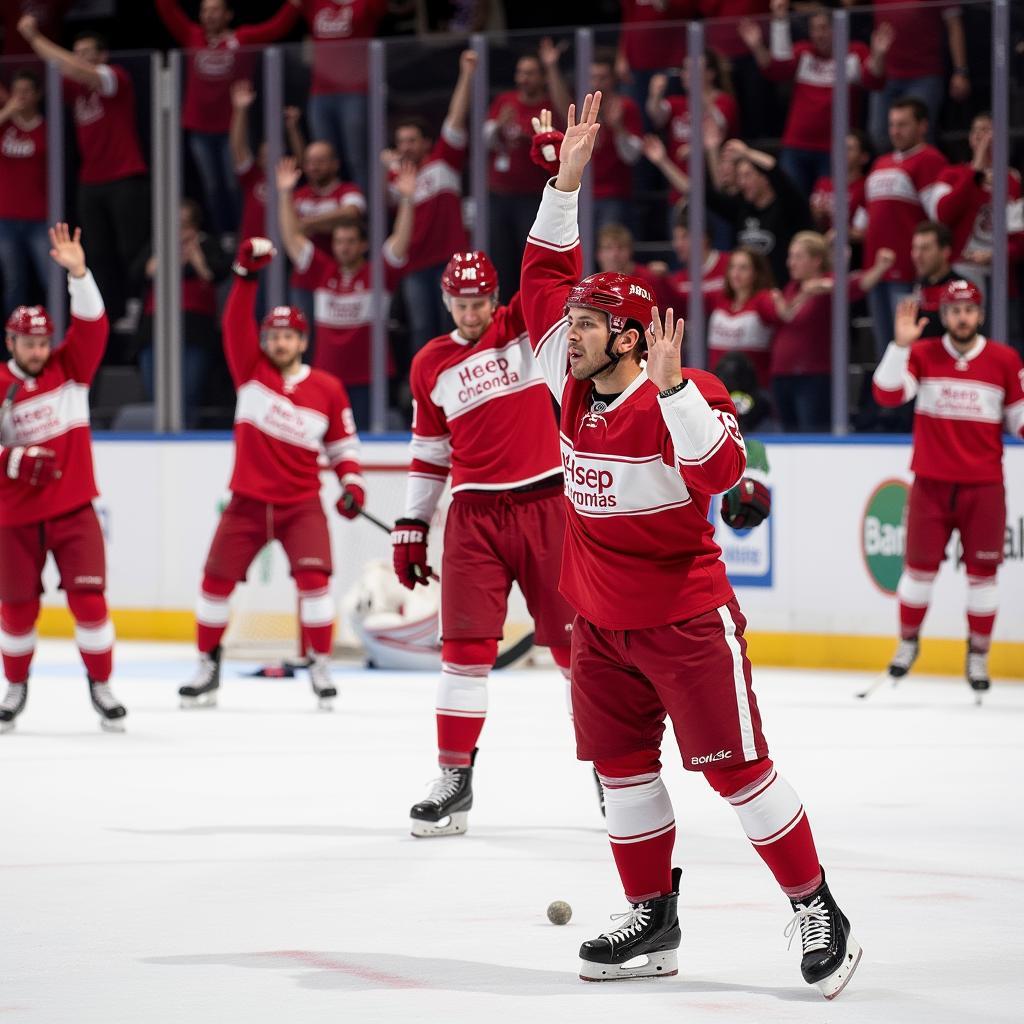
(377, 202)
(160, 93)
(57, 282)
(1000, 160)
(478, 151)
(840, 225)
(273, 129)
(174, 366)
(695, 340)
(584, 58)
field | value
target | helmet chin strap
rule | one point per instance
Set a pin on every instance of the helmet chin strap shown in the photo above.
(613, 358)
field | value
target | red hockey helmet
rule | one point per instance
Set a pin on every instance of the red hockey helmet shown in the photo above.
(469, 274)
(622, 296)
(961, 291)
(31, 320)
(290, 317)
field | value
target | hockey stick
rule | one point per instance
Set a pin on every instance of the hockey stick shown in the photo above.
(380, 524)
(879, 682)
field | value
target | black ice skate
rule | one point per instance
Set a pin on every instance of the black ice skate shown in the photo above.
(12, 705)
(446, 809)
(201, 692)
(320, 678)
(643, 946)
(977, 672)
(112, 711)
(831, 953)
(905, 656)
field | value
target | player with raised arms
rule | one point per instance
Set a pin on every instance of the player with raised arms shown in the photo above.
(658, 631)
(288, 415)
(47, 484)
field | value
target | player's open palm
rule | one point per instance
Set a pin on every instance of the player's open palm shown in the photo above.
(908, 326)
(578, 144)
(66, 249)
(665, 350)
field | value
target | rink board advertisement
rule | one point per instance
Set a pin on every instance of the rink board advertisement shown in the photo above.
(813, 581)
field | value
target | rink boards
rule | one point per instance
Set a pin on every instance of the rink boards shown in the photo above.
(816, 581)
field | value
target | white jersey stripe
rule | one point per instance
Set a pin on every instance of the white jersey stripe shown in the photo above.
(740, 682)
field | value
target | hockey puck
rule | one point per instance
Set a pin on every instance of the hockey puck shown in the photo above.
(559, 912)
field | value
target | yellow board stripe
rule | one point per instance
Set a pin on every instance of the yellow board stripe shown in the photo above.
(798, 650)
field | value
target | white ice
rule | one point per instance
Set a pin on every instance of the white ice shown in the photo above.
(252, 863)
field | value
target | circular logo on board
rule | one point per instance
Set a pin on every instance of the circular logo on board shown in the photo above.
(884, 532)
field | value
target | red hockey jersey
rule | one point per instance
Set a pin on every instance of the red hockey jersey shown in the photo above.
(963, 404)
(282, 426)
(639, 472)
(481, 411)
(52, 410)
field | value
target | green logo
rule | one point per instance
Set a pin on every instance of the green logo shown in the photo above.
(884, 533)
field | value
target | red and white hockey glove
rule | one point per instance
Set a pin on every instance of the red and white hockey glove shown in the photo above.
(409, 551)
(253, 255)
(747, 505)
(544, 150)
(32, 465)
(352, 499)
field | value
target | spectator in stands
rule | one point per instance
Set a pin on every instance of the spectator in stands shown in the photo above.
(113, 190)
(346, 305)
(513, 181)
(49, 15)
(898, 194)
(714, 265)
(614, 254)
(213, 65)
(24, 242)
(438, 230)
(811, 66)
(337, 101)
(769, 209)
(646, 46)
(801, 363)
(619, 142)
(858, 159)
(322, 203)
(204, 264)
(916, 62)
(930, 253)
(742, 317)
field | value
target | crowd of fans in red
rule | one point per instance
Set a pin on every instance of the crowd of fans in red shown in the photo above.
(920, 215)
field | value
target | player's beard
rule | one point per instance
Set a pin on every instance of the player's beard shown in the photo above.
(963, 338)
(27, 370)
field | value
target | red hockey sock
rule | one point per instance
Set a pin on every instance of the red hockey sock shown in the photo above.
(462, 698)
(94, 632)
(915, 594)
(212, 611)
(641, 823)
(18, 637)
(775, 823)
(982, 605)
(316, 610)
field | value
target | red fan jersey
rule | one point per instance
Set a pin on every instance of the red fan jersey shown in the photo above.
(648, 43)
(919, 38)
(23, 172)
(898, 195)
(823, 200)
(615, 155)
(252, 180)
(678, 130)
(482, 412)
(963, 404)
(347, 24)
(639, 471)
(748, 329)
(282, 426)
(512, 172)
(712, 283)
(52, 410)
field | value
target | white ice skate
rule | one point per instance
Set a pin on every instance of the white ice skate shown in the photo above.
(111, 710)
(201, 690)
(320, 679)
(12, 705)
(977, 673)
(904, 658)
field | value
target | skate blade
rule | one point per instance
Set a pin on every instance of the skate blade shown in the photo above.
(112, 724)
(204, 700)
(7, 726)
(454, 825)
(648, 965)
(837, 980)
(325, 704)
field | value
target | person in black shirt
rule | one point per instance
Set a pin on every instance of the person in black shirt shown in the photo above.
(930, 251)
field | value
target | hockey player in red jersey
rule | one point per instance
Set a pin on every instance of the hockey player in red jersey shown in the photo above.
(47, 484)
(658, 631)
(482, 415)
(287, 417)
(968, 389)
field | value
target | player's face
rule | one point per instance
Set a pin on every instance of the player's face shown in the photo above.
(411, 143)
(319, 164)
(962, 320)
(588, 338)
(214, 15)
(681, 244)
(801, 263)
(472, 315)
(741, 273)
(928, 257)
(905, 131)
(284, 346)
(820, 30)
(348, 246)
(614, 256)
(30, 354)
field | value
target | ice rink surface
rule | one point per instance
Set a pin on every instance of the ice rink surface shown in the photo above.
(252, 863)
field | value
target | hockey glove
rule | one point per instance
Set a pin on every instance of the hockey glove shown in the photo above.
(352, 499)
(32, 465)
(544, 150)
(747, 505)
(253, 255)
(409, 551)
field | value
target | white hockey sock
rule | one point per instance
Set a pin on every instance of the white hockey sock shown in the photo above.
(637, 808)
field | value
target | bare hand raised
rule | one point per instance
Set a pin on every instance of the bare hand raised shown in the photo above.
(665, 350)
(578, 145)
(66, 249)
